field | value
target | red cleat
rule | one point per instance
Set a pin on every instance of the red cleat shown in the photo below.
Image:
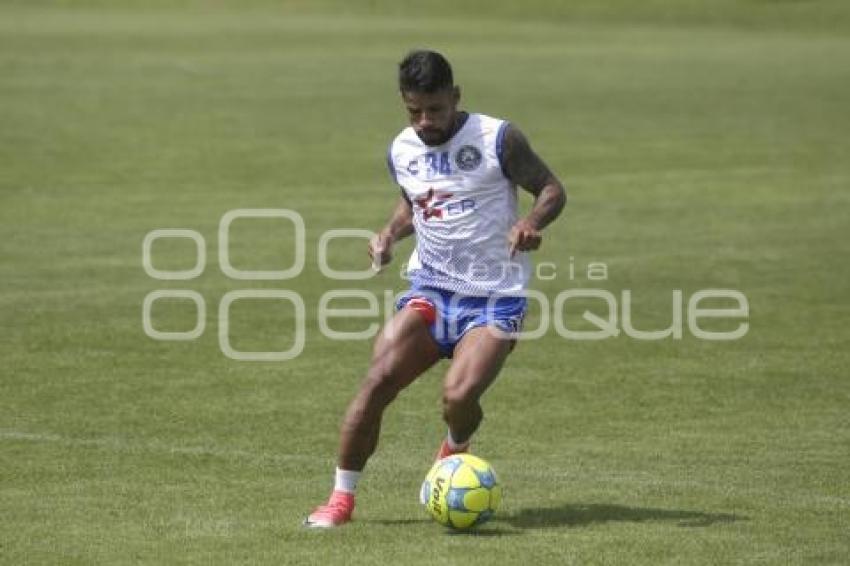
(335, 512)
(446, 451)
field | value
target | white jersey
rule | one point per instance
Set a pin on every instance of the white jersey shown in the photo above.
(463, 209)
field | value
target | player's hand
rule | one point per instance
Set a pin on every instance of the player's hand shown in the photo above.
(524, 237)
(380, 250)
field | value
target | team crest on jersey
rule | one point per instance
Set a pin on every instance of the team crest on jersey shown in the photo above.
(468, 158)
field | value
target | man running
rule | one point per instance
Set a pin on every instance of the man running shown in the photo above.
(458, 174)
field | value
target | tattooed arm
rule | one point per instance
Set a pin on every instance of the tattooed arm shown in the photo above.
(526, 169)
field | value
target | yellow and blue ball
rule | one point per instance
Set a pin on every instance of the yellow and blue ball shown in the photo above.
(461, 491)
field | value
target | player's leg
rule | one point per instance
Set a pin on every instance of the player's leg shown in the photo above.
(478, 358)
(403, 350)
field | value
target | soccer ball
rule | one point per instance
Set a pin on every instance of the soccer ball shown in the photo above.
(461, 491)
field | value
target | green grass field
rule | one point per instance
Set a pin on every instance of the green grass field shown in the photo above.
(704, 145)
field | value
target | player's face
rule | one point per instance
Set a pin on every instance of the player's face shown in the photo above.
(432, 114)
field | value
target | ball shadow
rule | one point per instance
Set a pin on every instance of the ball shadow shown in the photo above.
(491, 529)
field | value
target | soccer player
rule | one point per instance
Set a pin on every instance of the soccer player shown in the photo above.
(458, 174)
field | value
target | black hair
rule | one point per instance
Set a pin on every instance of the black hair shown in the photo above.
(424, 71)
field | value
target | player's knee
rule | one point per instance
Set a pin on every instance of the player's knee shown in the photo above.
(458, 397)
(376, 392)
(381, 385)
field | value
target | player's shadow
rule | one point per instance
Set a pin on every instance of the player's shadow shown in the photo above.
(582, 514)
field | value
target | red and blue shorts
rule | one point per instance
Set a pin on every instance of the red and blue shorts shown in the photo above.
(451, 315)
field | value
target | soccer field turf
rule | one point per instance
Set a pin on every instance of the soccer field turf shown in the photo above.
(704, 146)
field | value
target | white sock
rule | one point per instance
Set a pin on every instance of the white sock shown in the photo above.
(454, 444)
(346, 480)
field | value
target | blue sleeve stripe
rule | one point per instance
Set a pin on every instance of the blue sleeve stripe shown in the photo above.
(500, 145)
(390, 164)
